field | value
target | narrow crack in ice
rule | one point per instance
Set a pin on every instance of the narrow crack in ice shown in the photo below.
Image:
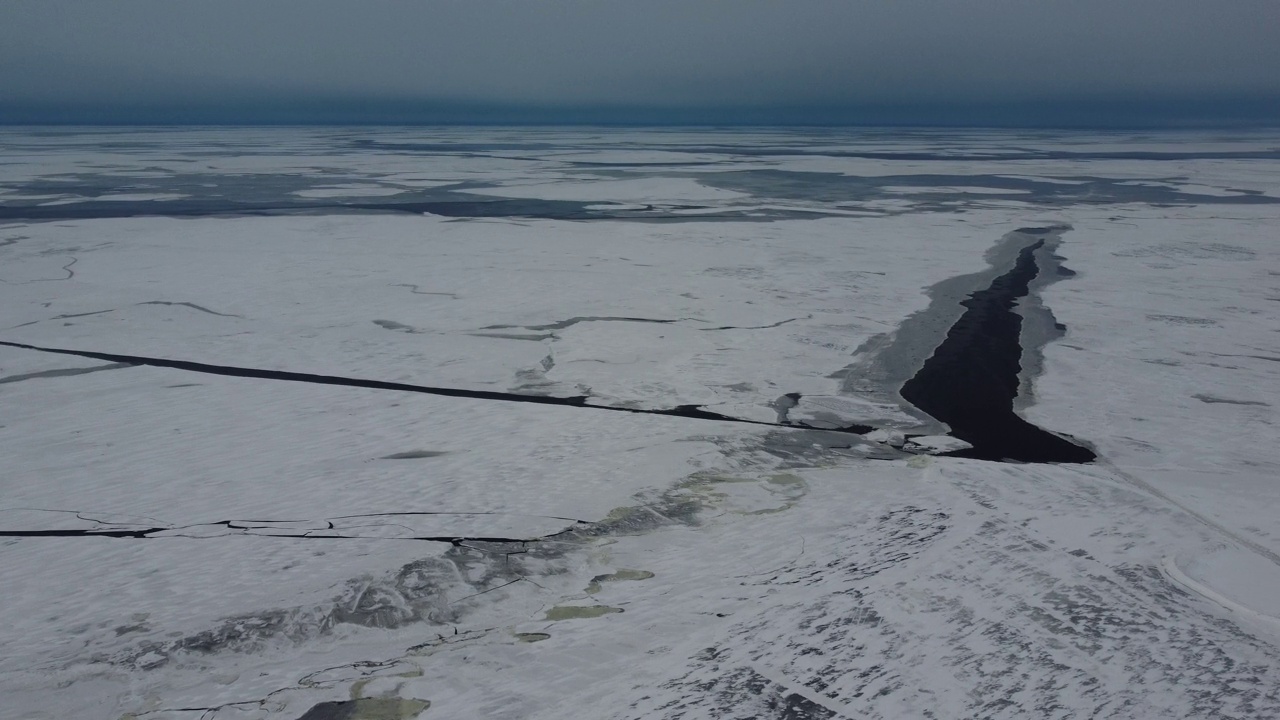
(192, 306)
(758, 327)
(66, 316)
(330, 528)
(694, 412)
(562, 324)
(70, 274)
(516, 336)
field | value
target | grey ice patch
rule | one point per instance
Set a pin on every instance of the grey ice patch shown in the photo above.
(1215, 400)
(948, 192)
(414, 289)
(743, 272)
(1192, 251)
(1181, 320)
(63, 373)
(812, 448)
(398, 327)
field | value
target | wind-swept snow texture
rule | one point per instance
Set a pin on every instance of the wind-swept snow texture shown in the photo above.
(541, 423)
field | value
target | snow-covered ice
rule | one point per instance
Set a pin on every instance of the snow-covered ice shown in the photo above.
(180, 544)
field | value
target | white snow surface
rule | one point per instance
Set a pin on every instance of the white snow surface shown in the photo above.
(297, 536)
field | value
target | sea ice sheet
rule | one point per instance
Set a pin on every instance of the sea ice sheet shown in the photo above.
(184, 545)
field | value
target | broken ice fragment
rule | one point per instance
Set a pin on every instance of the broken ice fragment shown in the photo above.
(894, 438)
(935, 444)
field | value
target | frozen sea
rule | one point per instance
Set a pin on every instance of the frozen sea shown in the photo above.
(391, 423)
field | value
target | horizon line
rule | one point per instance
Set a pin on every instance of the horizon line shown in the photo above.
(1204, 112)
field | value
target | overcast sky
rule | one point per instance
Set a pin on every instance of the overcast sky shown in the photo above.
(927, 61)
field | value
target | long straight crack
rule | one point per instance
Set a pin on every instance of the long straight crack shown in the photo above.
(693, 412)
(158, 529)
(154, 533)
